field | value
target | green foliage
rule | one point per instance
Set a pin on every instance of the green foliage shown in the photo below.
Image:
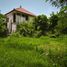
(37, 34)
(53, 22)
(25, 29)
(33, 52)
(3, 28)
(40, 23)
(62, 24)
(58, 3)
(15, 34)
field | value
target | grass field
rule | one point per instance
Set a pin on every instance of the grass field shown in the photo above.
(33, 52)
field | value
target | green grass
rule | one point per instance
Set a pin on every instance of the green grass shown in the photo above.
(33, 52)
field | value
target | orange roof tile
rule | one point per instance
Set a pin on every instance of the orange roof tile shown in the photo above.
(24, 11)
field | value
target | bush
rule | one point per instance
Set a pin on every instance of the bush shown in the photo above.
(37, 34)
(16, 34)
(3, 28)
(26, 29)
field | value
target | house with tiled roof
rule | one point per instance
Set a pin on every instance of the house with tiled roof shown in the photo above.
(17, 16)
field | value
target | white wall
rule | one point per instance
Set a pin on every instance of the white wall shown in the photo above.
(19, 19)
(10, 20)
(13, 27)
(10, 25)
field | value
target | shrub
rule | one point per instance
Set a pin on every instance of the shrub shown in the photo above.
(3, 28)
(25, 29)
(16, 34)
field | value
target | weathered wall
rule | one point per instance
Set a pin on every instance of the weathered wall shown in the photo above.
(13, 27)
(30, 18)
(19, 18)
(10, 20)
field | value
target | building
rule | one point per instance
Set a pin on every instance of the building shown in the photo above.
(17, 16)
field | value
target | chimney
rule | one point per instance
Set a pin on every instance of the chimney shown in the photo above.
(20, 6)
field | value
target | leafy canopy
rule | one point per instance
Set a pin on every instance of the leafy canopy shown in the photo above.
(58, 3)
(2, 25)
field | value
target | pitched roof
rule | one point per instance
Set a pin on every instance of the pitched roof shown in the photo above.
(22, 10)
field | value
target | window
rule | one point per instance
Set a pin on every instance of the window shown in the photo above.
(14, 17)
(7, 19)
(23, 15)
(27, 18)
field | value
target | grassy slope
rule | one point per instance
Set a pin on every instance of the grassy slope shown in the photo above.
(33, 52)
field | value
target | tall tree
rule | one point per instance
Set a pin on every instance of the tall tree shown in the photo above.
(58, 3)
(63, 19)
(53, 22)
(41, 24)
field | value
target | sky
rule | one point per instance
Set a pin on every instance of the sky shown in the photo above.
(37, 7)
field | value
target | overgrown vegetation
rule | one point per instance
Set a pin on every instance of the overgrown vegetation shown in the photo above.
(56, 25)
(23, 49)
(33, 52)
(3, 28)
(40, 25)
(26, 29)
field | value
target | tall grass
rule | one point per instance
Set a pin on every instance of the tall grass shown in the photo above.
(33, 52)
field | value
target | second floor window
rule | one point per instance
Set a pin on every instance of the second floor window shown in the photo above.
(14, 17)
(27, 17)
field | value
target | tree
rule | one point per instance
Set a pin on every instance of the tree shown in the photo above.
(53, 22)
(41, 24)
(62, 25)
(3, 27)
(62, 20)
(58, 3)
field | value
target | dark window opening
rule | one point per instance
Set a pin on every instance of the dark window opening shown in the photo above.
(18, 14)
(14, 18)
(27, 18)
(23, 15)
(7, 19)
